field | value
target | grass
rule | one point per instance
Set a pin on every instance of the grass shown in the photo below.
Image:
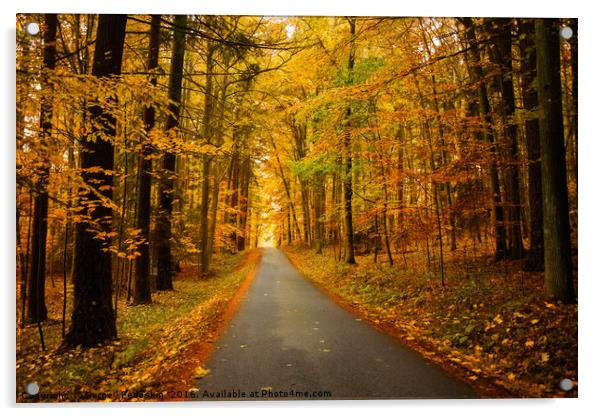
(153, 340)
(491, 324)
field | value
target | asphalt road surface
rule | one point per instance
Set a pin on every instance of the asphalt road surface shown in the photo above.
(290, 341)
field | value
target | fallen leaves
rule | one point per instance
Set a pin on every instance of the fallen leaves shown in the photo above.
(201, 372)
(150, 351)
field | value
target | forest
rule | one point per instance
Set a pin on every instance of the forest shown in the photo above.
(421, 170)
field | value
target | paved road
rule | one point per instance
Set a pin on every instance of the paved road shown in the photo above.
(289, 336)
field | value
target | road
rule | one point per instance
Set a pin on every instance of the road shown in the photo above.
(289, 340)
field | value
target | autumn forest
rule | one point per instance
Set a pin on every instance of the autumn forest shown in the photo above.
(422, 172)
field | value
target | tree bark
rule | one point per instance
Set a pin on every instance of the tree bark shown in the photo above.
(535, 260)
(93, 319)
(502, 54)
(574, 98)
(36, 303)
(208, 132)
(476, 77)
(348, 161)
(166, 188)
(142, 288)
(557, 242)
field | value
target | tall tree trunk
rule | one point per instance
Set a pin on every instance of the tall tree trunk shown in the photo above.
(319, 211)
(166, 188)
(574, 99)
(529, 65)
(440, 130)
(502, 54)
(348, 160)
(93, 319)
(36, 303)
(208, 131)
(244, 202)
(218, 164)
(142, 288)
(385, 214)
(557, 241)
(213, 213)
(399, 185)
(476, 77)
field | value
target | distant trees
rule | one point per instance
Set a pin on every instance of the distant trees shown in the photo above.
(458, 140)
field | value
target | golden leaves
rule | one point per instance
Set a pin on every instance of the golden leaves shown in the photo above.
(201, 372)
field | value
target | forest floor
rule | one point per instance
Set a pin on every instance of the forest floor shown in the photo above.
(159, 350)
(491, 324)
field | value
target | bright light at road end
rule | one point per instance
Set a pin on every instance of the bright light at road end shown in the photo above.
(267, 240)
(32, 28)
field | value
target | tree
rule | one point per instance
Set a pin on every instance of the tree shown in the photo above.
(166, 186)
(348, 159)
(93, 319)
(529, 96)
(142, 289)
(557, 247)
(37, 271)
(208, 131)
(502, 56)
(477, 77)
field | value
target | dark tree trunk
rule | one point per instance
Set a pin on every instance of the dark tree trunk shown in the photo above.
(36, 303)
(385, 214)
(142, 288)
(205, 189)
(574, 98)
(476, 76)
(163, 225)
(93, 318)
(244, 202)
(319, 211)
(557, 242)
(529, 62)
(502, 55)
(348, 162)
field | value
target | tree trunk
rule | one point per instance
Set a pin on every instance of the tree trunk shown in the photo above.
(163, 225)
(385, 214)
(557, 242)
(208, 132)
(36, 304)
(93, 319)
(348, 161)
(244, 202)
(502, 55)
(142, 288)
(476, 77)
(319, 211)
(574, 99)
(529, 63)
